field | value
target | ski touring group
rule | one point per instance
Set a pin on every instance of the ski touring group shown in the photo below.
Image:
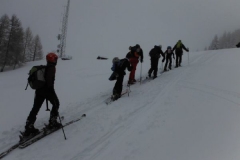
(41, 79)
(135, 55)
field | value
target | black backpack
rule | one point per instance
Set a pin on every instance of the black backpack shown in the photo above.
(36, 78)
(116, 68)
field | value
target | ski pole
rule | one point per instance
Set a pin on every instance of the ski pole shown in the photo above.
(162, 66)
(141, 74)
(129, 90)
(62, 126)
(26, 86)
(47, 109)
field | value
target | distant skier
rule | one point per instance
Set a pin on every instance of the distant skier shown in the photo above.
(45, 93)
(168, 56)
(99, 57)
(135, 53)
(119, 67)
(179, 52)
(155, 54)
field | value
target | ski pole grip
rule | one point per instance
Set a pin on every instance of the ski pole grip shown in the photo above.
(47, 109)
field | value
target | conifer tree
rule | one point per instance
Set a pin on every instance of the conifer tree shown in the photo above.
(14, 48)
(37, 48)
(28, 44)
(4, 32)
(215, 43)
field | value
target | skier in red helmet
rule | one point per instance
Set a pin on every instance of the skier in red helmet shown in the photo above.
(47, 92)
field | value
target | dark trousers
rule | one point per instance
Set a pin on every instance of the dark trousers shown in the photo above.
(168, 63)
(118, 85)
(178, 59)
(40, 96)
(154, 67)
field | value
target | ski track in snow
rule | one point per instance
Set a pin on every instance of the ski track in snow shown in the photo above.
(160, 91)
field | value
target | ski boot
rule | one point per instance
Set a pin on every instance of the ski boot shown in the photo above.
(115, 97)
(130, 82)
(30, 130)
(53, 123)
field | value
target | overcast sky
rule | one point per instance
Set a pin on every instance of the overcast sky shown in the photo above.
(108, 27)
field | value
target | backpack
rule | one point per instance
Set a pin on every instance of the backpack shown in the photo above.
(36, 78)
(179, 45)
(169, 52)
(116, 67)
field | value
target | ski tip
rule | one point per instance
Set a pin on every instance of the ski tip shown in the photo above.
(20, 138)
(84, 115)
(21, 133)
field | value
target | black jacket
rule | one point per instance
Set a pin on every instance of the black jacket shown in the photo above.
(123, 64)
(50, 72)
(140, 52)
(180, 48)
(169, 54)
(156, 53)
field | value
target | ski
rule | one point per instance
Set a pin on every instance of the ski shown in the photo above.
(23, 143)
(9, 150)
(148, 79)
(46, 132)
(110, 100)
(22, 140)
(145, 80)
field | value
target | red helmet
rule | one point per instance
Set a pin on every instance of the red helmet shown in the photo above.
(51, 57)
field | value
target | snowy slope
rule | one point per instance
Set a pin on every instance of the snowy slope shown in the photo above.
(189, 113)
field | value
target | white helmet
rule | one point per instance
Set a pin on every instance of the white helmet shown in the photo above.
(115, 59)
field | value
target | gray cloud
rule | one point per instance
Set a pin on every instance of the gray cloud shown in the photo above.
(104, 27)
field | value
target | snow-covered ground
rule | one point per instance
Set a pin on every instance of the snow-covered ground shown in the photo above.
(189, 113)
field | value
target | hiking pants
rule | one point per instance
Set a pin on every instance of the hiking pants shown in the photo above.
(118, 85)
(168, 63)
(154, 67)
(178, 58)
(40, 96)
